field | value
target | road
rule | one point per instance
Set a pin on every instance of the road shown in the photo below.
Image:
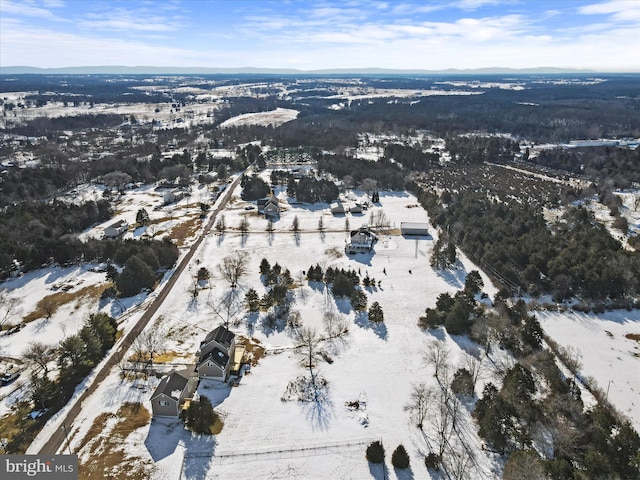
(56, 440)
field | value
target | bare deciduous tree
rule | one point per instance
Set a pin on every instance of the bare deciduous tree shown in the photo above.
(228, 307)
(437, 354)
(419, 402)
(334, 324)
(39, 354)
(368, 185)
(244, 225)
(474, 365)
(49, 306)
(233, 268)
(148, 344)
(8, 307)
(444, 417)
(378, 219)
(308, 344)
(221, 225)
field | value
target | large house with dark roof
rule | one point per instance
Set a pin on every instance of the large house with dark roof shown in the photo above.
(216, 354)
(172, 393)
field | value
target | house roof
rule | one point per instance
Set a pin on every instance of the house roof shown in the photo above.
(118, 224)
(261, 202)
(171, 385)
(221, 335)
(217, 356)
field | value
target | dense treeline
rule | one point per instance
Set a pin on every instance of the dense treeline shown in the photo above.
(536, 418)
(575, 257)
(33, 233)
(312, 190)
(38, 234)
(411, 157)
(387, 174)
(621, 165)
(76, 355)
(478, 149)
(44, 126)
(90, 89)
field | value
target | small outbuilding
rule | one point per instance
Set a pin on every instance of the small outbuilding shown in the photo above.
(337, 208)
(116, 229)
(173, 391)
(414, 229)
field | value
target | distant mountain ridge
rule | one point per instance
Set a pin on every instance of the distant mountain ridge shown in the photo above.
(152, 70)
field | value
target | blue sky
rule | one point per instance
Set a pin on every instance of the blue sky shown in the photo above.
(601, 35)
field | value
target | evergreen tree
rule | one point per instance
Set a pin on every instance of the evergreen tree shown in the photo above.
(375, 313)
(375, 452)
(200, 417)
(400, 457)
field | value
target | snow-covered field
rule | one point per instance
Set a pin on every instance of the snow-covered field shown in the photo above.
(607, 354)
(274, 117)
(374, 366)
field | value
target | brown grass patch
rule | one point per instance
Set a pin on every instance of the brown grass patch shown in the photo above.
(169, 356)
(18, 430)
(633, 336)
(253, 349)
(108, 459)
(184, 230)
(216, 428)
(50, 304)
(333, 252)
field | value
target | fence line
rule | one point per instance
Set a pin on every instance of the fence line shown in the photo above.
(276, 452)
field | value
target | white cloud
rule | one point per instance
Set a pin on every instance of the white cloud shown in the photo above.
(129, 20)
(619, 10)
(8, 7)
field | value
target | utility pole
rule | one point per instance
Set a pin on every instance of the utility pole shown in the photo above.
(66, 435)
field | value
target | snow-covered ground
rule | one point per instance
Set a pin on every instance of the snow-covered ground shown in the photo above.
(274, 117)
(374, 365)
(605, 351)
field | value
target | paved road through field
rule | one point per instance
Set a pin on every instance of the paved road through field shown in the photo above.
(58, 437)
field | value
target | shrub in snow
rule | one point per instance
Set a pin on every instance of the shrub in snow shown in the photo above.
(375, 452)
(462, 383)
(433, 461)
(400, 457)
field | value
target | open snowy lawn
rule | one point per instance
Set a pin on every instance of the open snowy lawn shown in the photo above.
(605, 351)
(274, 117)
(374, 365)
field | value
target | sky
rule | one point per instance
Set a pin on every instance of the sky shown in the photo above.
(601, 35)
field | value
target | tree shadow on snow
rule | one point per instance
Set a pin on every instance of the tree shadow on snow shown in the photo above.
(380, 329)
(404, 473)
(198, 456)
(454, 277)
(363, 258)
(320, 411)
(163, 437)
(378, 471)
